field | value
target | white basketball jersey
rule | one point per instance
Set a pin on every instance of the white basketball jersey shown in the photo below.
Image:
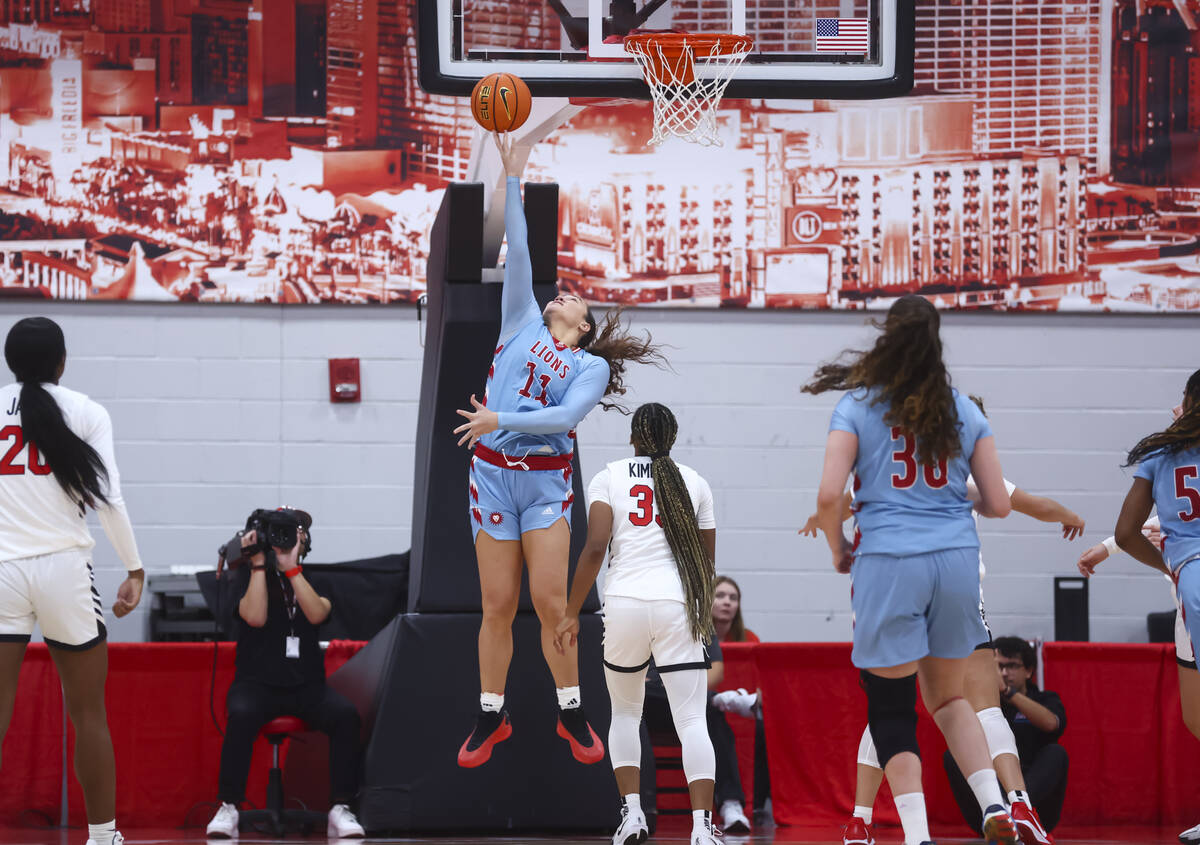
(640, 562)
(37, 517)
(973, 495)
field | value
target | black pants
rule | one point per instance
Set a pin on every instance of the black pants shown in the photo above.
(1045, 781)
(762, 772)
(657, 722)
(251, 705)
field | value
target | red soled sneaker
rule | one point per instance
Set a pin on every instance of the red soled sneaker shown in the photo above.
(998, 827)
(1029, 826)
(857, 832)
(491, 729)
(573, 726)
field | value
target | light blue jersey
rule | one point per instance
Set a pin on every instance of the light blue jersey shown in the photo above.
(901, 507)
(540, 388)
(1175, 481)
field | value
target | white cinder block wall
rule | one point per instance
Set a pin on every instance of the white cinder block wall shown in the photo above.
(221, 409)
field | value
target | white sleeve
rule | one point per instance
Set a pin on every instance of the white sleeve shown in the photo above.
(704, 505)
(113, 516)
(598, 488)
(1009, 487)
(973, 490)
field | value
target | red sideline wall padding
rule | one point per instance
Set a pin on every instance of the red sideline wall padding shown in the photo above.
(1132, 758)
(166, 745)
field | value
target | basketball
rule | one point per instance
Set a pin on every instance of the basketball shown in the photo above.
(501, 102)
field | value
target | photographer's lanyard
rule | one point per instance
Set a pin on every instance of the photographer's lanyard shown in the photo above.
(291, 648)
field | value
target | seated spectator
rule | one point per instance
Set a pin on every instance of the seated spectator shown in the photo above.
(727, 617)
(1038, 720)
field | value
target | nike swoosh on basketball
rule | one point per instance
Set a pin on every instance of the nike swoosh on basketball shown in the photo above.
(504, 100)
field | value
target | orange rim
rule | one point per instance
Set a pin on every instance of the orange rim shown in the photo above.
(667, 56)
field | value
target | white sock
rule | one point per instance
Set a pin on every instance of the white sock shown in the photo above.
(568, 697)
(701, 820)
(1019, 795)
(864, 813)
(911, 807)
(490, 702)
(633, 802)
(102, 834)
(986, 788)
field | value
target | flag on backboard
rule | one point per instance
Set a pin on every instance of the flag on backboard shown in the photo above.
(843, 35)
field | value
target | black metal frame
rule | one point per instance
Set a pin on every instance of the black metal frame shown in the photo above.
(899, 84)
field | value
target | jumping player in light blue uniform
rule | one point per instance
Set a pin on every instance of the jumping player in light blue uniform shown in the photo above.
(1168, 478)
(911, 441)
(540, 385)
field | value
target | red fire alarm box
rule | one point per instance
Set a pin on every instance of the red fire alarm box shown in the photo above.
(344, 384)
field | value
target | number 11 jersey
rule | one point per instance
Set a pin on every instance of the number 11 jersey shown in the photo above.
(640, 562)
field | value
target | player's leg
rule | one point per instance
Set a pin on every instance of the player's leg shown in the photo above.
(12, 652)
(16, 625)
(955, 628)
(626, 656)
(500, 590)
(546, 553)
(889, 596)
(680, 661)
(83, 674)
(868, 778)
(1189, 683)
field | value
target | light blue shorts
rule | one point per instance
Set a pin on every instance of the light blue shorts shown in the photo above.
(508, 502)
(906, 608)
(1187, 593)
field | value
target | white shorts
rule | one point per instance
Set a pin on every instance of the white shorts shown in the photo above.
(1183, 643)
(58, 592)
(636, 630)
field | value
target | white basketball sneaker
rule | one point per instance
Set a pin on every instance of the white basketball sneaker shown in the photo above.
(733, 816)
(224, 824)
(633, 829)
(343, 824)
(707, 835)
(117, 839)
(1191, 835)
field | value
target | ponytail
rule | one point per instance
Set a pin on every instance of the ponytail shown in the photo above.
(34, 350)
(617, 346)
(654, 429)
(1179, 436)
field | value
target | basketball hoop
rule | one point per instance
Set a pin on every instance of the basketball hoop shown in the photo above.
(687, 74)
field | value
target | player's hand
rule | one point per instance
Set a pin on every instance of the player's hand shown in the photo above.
(504, 143)
(129, 593)
(1154, 535)
(479, 422)
(1072, 527)
(810, 528)
(566, 634)
(1093, 557)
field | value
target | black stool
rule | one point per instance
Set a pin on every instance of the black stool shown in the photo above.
(278, 819)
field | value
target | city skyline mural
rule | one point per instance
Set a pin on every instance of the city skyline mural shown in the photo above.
(282, 151)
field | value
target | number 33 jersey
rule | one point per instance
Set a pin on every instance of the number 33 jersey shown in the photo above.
(640, 562)
(903, 507)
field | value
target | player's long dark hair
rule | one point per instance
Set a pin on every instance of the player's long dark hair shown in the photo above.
(617, 346)
(653, 433)
(1179, 436)
(34, 350)
(906, 370)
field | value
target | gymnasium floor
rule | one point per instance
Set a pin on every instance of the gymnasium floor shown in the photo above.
(673, 832)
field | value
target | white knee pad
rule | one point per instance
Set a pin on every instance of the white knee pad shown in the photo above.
(627, 690)
(1000, 739)
(687, 692)
(866, 750)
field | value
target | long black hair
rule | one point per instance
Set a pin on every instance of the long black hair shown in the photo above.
(906, 367)
(653, 430)
(35, 349)
(1179, 436)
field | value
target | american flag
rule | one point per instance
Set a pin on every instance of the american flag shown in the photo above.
(843, 35)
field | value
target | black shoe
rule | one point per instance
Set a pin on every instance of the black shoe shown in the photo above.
(491, 729)
(574, 728)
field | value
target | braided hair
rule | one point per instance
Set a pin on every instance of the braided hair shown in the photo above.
(653, 432)
(1179, 436)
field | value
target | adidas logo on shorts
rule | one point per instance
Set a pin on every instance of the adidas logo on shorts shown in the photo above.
(549, 511)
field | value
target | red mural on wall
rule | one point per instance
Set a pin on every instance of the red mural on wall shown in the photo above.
(282, 151)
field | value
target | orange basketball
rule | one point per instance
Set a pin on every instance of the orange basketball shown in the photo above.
(500, 102)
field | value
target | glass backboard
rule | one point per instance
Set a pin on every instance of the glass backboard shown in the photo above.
(803, 49)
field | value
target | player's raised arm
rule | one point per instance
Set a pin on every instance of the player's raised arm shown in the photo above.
(518, 307)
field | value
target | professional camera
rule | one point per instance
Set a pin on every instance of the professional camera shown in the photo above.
(273, 529)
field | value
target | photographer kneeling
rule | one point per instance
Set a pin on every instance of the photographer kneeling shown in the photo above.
(280, 669)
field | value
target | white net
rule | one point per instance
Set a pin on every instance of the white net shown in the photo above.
(687, 75)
